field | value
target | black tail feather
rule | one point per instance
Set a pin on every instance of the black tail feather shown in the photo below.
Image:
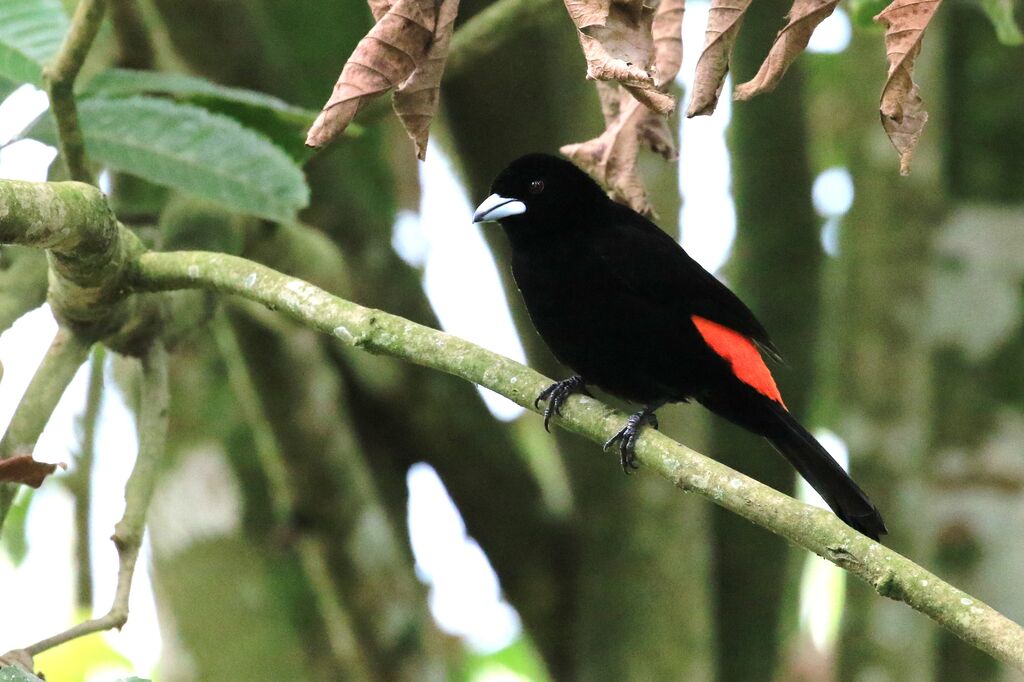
(835, 486)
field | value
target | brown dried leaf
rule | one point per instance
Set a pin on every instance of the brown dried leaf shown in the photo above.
(618, 45)
(417, 99)
(655, 133)
(803, 18)
(378, 8)
(386, 57)
(667, 31)
(610, 95)
(24, 469)
(901, 110)
(724, 19)
(585, 13)
(611, 157)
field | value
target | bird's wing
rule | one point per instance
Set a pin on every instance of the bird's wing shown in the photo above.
(651, 263)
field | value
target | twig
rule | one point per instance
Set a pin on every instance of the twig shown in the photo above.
(79, 483)
(312, 554)
(66, 354)
(60, 82)
(889, 573)
(137, 494)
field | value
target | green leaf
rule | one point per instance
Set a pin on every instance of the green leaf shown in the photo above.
(31, 32)
(191, 150)
(114, 83)
(282, 122)
(6, 88)
(13, 538)
(1000, 13)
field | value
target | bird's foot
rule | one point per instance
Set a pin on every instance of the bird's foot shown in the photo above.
(626, 438)
(557, 393)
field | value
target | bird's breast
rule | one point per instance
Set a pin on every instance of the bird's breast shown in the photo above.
(612, 337)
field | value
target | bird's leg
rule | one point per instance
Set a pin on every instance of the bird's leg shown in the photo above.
(626, 438)
(557, 393)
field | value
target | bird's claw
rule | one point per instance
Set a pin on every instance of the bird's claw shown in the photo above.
(556, 394)
(627, 437)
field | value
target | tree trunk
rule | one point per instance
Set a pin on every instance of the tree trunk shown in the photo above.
(978, 483)
(775, 268)
(878, 353)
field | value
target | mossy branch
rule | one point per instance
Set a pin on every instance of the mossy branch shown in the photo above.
(889, 573)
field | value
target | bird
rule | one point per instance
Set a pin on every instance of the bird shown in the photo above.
(621, 303)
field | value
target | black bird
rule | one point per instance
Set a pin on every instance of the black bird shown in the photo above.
(625, 307)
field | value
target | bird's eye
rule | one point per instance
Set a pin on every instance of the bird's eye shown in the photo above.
(536, 187)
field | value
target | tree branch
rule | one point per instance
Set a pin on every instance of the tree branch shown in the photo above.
(79, 482)
(60, 82)
(138, 492)
(66, 354)
(890, 574)
(819, 531)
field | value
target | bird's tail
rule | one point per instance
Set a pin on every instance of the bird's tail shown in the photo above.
(813, 462)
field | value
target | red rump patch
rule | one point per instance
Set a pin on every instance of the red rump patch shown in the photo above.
(742, 355)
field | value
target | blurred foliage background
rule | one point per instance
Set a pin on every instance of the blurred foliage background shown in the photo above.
(905, 340)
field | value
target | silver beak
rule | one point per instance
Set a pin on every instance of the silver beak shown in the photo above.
(496, 207)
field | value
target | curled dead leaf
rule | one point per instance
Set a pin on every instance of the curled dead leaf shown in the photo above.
(803, 18)
(657, 135)
(618, 44)
(417, 99)
(396, 45)
(901, 109)
(668, 42)
(724, 20)
(26, 470)
(612, 157)
(606, 158)
(378, 8)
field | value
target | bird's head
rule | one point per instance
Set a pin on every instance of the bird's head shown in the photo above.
(542, 192)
